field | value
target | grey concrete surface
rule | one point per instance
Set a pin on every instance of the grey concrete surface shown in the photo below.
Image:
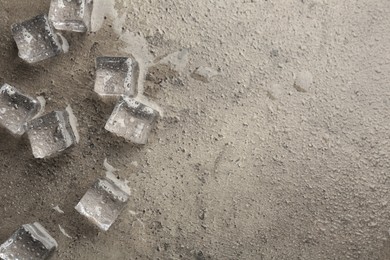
(245, 166)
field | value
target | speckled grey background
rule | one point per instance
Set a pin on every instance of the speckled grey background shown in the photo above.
(243, 167)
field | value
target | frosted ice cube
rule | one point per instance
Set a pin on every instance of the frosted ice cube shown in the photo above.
(37, 40)
(116, 76)
(132, 120)
(53, 133)
(16, 109)
(30, 241)
(103, 203)
(71, 15)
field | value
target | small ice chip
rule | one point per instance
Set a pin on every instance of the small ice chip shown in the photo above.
(132, 120)
(71, 15)
(116, 76)
(53, 133)
(177, 60)
(303, 81)
(103, 203)
(58, 209)
(31, 241)
(37, 40)
(16, 109)
(205, 74)
(63, 231)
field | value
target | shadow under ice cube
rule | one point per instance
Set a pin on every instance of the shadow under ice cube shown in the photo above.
(116, 76)
(71, 15)
(103, 203)
(53, 133)
(132, 120)
(37, 40)
(31, 241)
(16, 109)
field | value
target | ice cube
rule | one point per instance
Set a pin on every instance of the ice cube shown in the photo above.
(71, 15)
(132, 120)
(103, 203)
(53, 133)
(37, 40)
(16, 109)
(116, 76)
(30, 241)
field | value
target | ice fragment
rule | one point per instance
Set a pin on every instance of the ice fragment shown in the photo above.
(303, 81)
(103, 203)
(31, 241)
(116, 76)
(205, 74)
(16, 109)
(37, 40)
(132, 120)
(71, 15)
(52, 133)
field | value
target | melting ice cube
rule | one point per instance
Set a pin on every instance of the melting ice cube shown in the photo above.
(103, 202)
(71, 15)
(116, 76)
(37, 40)
(132, 120)
(16, 109)
(52, 133)
(31, 241)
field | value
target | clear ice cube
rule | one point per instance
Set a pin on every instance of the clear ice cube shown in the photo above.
(37, 40)
(53, 133)
(30, 241)
(16, 109)
(132, 120)
(116, 76)
(71, 15)
(103, 203)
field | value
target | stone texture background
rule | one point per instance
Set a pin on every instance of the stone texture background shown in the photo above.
(242, 167)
